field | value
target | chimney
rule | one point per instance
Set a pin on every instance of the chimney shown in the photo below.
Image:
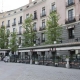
(30, 1)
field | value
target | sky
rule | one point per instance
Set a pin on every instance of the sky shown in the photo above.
(12, 4)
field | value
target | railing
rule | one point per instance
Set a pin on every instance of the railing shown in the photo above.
(70, 4)
(2, 25)
(55, 10)
(42, 28)
(19, 33)
(67, 21)
(35, 30)
(43, 14)
(8, 25)
(19, 22)
(13, 24)
(43, 40)
(34, 18)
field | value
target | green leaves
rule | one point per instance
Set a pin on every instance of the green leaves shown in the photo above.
(13, 42)
(29, 33)
(53, 29)
(3, 38)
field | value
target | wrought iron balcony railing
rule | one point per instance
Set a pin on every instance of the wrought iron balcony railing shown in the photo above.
(67, 21)
(70, 4)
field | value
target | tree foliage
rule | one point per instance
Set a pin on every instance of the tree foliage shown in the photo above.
(13, 42)
(53, 29)
(3, 38)
(29, 34)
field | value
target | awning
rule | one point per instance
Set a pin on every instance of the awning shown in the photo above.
(41, 49)
(2, 51)
(69, 48)
(24, 51)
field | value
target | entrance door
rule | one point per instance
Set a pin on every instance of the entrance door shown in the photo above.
(43, 54)
(34, 57)
(53, 57)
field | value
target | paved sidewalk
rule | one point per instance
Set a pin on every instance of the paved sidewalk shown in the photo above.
(19, 71)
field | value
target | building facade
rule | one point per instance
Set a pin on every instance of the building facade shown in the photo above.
(69, 18)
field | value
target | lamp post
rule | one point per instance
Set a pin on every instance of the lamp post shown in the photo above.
(31, 56)
(76, 54)
(56, 63)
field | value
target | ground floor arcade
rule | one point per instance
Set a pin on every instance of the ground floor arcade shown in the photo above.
(46, 55)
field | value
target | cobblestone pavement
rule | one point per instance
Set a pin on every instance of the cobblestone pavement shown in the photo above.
(19, 71)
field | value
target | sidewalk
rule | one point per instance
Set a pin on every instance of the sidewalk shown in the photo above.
(19, 71)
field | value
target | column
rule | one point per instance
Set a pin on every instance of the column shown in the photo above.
(31, 57)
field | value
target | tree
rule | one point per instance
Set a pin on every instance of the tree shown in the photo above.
(13, 42)
(3, 38)
(29, 34)
(53, 29)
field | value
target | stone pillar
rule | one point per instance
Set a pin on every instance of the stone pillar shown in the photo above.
(4, 53)
(21, 55)
(30, 57)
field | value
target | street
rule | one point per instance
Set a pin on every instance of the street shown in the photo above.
(20, 71)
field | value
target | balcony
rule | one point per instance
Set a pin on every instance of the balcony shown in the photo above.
(42, 28)
(70, 4)
(13, 24)
(34, 18)
(2, 25)
(43, 40)
(71, 37)
(43, 15)
(67, 21)
(19, 22)
(19, 33)
(34, 40)
(53, 10)
(35, 30)
(8, 25)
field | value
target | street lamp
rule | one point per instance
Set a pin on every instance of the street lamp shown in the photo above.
(56, 63)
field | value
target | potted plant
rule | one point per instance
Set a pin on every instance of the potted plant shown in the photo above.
(56, 62)
(67, 62)
(36, 61)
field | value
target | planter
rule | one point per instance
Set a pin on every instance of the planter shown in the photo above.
(56, 64)
(67, 64)
(36, 62)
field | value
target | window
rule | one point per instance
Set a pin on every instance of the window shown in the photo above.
(20, 19)
(3, 23)
(43, 23)
(9, 14)
(43, 11)
(35, 2)
(20, 9)
(19, 40)
(8, 22)
(43, 37)
(14, 20)
(71, 33)
(27, 15)
(20, 29)
(8, 31)
(14, 29)
(35, 14)
(53, 6)
(70, 15)
(70, 1)
(34, 26)
(27, 6)
(14, 11)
